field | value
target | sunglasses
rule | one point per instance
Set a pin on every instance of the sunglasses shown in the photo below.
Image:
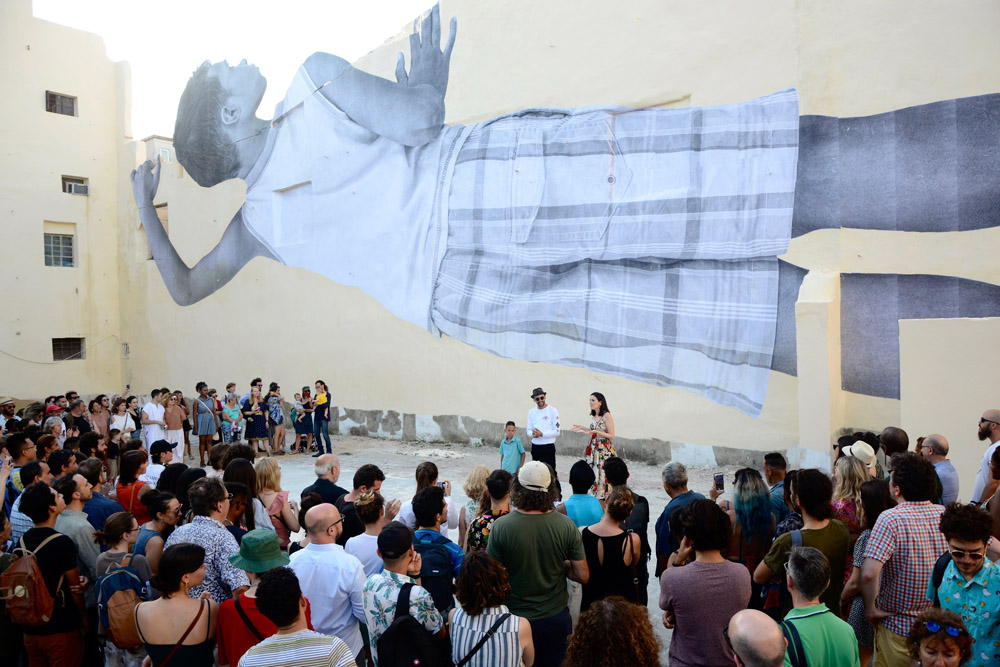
(230, 497)
(934, 626)
(984, 420)
(538, 398)
(958, 554)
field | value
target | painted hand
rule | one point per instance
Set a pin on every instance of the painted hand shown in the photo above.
(428, 64)
(145, 181)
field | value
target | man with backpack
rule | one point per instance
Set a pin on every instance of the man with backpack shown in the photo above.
(964, 580)
(51, 611)
(395, 633)
(441, 558)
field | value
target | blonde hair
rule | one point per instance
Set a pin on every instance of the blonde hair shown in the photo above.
(850, 474)
(368, 506)
(268, 474)
(475, 484)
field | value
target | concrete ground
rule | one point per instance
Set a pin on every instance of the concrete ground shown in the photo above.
(398, 460)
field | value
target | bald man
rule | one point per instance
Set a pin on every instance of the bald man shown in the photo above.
(989, 429)
(327, 471)
(331, 579)
(757, 640)
(934, 448)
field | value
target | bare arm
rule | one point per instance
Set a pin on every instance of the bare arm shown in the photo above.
(871, 571)
(578, 571)
(762, 574)
(188, 285)
(852, 588)
(154, 549)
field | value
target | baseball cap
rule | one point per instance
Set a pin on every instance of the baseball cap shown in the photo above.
(159, 447)
(395, 540)
(535, 476)
(53, 408)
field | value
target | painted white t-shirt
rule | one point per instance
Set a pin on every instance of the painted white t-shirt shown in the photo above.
(328, 195)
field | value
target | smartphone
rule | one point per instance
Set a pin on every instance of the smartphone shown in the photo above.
(720, 482)
(441, 484)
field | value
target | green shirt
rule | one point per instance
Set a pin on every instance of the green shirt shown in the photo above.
(533, 549)
(834, 541)
(826, 640)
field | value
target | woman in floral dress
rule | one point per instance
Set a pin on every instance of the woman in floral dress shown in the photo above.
(601, 446)
(849, 473)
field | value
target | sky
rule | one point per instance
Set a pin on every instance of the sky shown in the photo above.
(165, 41)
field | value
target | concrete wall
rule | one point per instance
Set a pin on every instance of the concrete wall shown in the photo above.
(39, 302)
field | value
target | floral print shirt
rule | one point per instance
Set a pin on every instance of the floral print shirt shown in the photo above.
(479, 530)
(379, 596)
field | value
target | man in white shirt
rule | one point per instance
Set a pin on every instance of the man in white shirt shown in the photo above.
(331, 579)
(989, 429)
(153, 426)
(543, 429)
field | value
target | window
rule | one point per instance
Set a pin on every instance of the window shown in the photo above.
(75, 185)
(165, 154)
(68, 348)
(58, 250)
(60, 104)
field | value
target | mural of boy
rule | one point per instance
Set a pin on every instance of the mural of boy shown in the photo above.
(640, 242)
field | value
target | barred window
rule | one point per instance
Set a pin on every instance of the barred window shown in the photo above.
(64, 349)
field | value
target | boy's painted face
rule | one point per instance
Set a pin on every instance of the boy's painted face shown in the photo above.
(243, 82)
(509, 430)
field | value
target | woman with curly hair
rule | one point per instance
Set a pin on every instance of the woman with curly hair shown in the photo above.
(614, 633)
(482, 588)
(753, 521)
(938, 638)
(849, 473)
(699, 598)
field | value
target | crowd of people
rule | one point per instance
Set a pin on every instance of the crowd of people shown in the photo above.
(117, 552)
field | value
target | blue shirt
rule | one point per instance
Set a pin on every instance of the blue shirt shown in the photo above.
(584, 509)
(978, 603)
(99, 508)
(778, 505)
(511, 451)
(456, 551)
(665, 542)
(949, 481)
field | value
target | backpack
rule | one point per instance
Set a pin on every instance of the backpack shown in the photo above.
(405, 642)
(119, 591)
(937, 574)
(436, 574)
(23, 587)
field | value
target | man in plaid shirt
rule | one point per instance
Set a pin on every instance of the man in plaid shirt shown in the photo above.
(900, 556)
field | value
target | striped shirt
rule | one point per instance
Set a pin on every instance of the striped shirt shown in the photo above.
(299, 649)
(503, 649)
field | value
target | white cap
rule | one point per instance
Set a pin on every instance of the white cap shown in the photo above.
(535, 476)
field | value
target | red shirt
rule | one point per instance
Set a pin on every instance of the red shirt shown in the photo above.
(128, 497)
(233, 635)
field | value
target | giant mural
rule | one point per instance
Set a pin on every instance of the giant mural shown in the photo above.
(641, 242)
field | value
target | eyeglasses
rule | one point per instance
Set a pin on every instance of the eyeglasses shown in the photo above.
(984, 420)
(133, 530)
(934, 626)
(230, 497)
(729, 642)
(335, 523)
(974, 556)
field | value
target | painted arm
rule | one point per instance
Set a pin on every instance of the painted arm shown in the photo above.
(410, 111)
(188, 285)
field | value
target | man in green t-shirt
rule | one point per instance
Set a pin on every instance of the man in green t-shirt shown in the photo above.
(816, 636)
(812, 493)
(535, 543)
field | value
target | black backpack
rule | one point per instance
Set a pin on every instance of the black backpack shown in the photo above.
(436, 573)
(405, 642)
(937, 574)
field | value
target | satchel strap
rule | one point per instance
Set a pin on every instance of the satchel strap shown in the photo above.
(246, 620)
(489, 633)
(796, 652)
(403, 601)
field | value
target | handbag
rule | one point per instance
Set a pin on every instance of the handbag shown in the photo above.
(489, 633)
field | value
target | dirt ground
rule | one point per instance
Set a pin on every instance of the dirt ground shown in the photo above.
(398, 460)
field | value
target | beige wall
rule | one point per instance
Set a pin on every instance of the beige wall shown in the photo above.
(845, 58)
(947, 380)
(40, 302)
